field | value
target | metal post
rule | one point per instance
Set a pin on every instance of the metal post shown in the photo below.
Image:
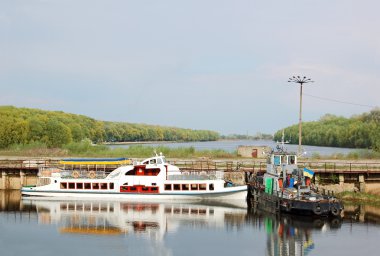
(300, 125)
(22, 178)
(299, 80)
(4, 184)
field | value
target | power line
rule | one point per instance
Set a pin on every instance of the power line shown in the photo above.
(339, 101)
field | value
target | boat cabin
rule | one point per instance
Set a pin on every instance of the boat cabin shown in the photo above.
(284, 173)
(283, 158)
(154, 160)
(279, 162)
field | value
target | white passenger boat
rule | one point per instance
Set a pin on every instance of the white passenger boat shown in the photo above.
(153, 178)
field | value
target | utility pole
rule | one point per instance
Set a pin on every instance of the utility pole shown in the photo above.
(300, 80)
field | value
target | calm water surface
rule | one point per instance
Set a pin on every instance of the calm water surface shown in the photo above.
(42, 227)
(232, 145)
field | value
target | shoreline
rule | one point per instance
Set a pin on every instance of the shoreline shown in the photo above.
(167, 141)
(359, 197)
(137, 142)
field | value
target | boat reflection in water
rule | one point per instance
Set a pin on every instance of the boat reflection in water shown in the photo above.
(152, 228)
(292, 235)
(152, 220)
(286, 235)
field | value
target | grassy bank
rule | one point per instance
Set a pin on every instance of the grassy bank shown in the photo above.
(359, 197)
(86, 149)
(355, 155)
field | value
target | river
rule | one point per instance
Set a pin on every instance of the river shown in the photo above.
(232, 145)
(47, 227)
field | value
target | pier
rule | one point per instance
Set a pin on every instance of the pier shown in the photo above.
(15, 173)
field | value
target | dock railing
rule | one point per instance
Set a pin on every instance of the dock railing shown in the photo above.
(209, 165)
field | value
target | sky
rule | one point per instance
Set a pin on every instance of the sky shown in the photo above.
(221, 65)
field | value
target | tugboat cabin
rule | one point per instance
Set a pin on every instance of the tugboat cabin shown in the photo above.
(277, 162)
(283, 172)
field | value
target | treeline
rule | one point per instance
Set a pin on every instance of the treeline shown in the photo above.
(360, 131)
(56, 128)
(121, 132)
(257, 136)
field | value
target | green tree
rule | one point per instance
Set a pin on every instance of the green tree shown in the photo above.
(57, 134)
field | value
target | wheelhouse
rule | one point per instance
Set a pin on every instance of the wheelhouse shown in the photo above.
(142, 170)
(282, 158)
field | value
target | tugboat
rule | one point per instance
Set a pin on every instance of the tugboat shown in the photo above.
(286, 188)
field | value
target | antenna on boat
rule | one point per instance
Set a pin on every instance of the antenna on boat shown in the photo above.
(302, 153)
(281, 144)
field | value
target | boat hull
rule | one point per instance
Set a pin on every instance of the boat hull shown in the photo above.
(274, 203)
(239, 192)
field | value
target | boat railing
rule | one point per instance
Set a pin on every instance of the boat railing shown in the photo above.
(83, 174)
(47, 171)
(192, 177)
(42, 181)
(71, 173)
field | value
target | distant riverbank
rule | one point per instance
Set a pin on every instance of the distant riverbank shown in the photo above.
(231, 146)
(210, 149)
(137, 142)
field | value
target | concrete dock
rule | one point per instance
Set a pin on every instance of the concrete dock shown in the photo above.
(360, 175)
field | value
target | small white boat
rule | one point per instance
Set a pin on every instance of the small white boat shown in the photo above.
(153, 178)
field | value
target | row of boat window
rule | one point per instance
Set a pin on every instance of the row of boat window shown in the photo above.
(86, 208)
(189, 186)
(139, 208)
(86, 185)
(189, 211)
(139, 189)
(105, 186)
(143, 172)
(99, 207)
